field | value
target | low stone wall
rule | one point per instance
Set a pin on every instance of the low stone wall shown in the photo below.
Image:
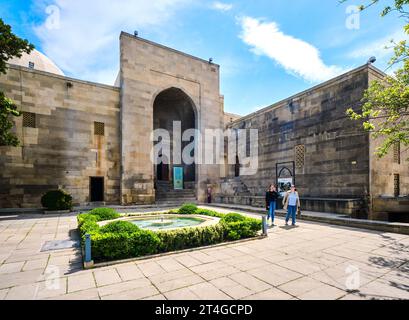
(395, 205)
(390, 209)
(254, 201)
(350, 207)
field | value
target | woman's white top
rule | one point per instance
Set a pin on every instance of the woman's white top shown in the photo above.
(292, 199)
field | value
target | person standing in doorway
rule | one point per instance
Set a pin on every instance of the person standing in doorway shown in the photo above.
(209, 195)
(271, 203)
(292, 204)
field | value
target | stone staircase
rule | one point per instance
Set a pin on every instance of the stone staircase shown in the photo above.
(166, 195)
(234, 187)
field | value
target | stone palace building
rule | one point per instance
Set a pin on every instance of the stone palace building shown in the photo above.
(94, 140)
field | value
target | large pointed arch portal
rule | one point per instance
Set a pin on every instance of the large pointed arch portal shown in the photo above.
(170, 106)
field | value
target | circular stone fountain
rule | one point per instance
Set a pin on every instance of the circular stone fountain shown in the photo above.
(161, 223)
(167, 221)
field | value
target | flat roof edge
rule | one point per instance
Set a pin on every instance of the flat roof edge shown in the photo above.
(321, 85)
(53, 75)
(123, 33)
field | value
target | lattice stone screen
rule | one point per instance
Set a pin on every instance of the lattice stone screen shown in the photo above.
(99, 128)
(29, 120)
(299, 156)
(397, 185)
(396, 153)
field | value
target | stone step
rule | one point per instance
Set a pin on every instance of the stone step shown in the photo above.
(182, 192)
(176, 194)
(175, 198)
(175, 202)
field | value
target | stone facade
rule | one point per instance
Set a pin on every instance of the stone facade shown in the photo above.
(147, 69)
(386, 202)
(338, 171)
(76, 131)
(60, 148)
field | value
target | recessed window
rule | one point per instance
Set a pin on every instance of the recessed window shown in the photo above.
(396, 153)
(397, 185)
(29, 120)
(299, 156)
(99, 128)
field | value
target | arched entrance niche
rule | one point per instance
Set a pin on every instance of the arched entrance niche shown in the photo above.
(171, 105)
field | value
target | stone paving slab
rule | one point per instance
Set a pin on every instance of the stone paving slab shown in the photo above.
(313, 261)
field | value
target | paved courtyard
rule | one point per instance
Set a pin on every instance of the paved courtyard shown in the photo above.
(313, 261)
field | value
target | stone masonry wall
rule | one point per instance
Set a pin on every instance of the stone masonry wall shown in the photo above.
(147, 69)
(382, 173)
(62, 151)
(336, 148)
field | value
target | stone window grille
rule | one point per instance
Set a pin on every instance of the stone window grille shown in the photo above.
(99, 128)
(396, 153)
(300, 156)
(29, 120)
(397, 185)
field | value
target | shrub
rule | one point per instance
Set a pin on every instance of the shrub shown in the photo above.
(104, 214)
(57, 200)
(240, 227)
(233, 217)
(188, 209)
(145, 242)
(122, 240)
(119, 227)
(123, 245)
(87, 224)
(191, 238)
(210, 213)
(111, 246)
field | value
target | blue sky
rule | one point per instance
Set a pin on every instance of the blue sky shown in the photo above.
(268, 49)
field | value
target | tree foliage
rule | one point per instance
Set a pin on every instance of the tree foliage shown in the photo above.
(10, 46)
(385, 103)
(7, 109)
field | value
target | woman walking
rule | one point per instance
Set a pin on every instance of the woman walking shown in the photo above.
(271, 203)
(291, 202)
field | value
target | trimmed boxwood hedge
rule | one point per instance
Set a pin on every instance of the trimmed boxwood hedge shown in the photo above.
(122, 239)
(188, 208)
(56, 200)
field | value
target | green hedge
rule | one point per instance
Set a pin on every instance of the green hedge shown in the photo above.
(188, 209)
(104, 214)
(123, 245)
(240, 227)
(189, 238)
(122, 240)
(119, 227)
(57, 200)
(87, 222)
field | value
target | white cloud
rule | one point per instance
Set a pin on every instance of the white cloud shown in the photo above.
(294, 55)
(220, 6)
(377, 48)
(85, 41)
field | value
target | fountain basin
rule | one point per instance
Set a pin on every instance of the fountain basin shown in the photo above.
(167, 222)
